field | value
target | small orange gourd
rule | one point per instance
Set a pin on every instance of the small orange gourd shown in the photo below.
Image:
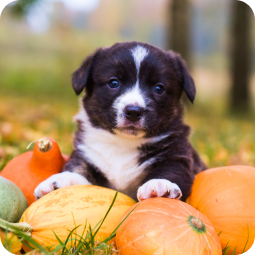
(226, 195)
(31, 168)
(161, 226)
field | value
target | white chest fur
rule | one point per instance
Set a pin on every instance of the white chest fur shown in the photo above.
(115, 156)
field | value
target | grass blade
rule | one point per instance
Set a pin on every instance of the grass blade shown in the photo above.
(225, 248)
(82, 240)
(116, 194)
(67, 240)
(247, 239)
(60, 242)
(113, 234)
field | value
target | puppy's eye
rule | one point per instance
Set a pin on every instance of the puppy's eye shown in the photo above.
(159, 89)
(113, 83)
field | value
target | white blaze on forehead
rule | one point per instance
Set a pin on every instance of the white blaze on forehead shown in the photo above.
(133, 96)
(139, 53)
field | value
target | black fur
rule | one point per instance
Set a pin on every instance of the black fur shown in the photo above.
(175, 158)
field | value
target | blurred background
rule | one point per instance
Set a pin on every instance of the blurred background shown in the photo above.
(43, 41)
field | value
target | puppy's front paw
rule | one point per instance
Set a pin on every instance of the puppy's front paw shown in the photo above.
(159, 188)
(58, 181)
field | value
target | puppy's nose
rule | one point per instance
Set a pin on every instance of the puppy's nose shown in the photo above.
(133, 113)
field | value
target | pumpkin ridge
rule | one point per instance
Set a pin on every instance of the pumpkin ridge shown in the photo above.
(189, 213)
(207, 243)
(159, 251)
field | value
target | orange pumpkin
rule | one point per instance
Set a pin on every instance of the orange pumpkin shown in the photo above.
(226, 195)
(166, 226)
(31, 168)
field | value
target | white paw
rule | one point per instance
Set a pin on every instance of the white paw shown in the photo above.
(159, 188)
(58, 181)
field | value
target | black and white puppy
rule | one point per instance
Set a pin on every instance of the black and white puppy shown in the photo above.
(131, 136)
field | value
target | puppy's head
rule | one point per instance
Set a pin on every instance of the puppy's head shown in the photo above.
(133, 89)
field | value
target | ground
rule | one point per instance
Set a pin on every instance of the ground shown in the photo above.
(220, 138)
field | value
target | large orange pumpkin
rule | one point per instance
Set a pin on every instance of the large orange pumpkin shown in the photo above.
(63, 209)
(226, 195)
(161, 226)
(31, 168)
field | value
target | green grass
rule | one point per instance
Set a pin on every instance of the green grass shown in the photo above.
(222, 138)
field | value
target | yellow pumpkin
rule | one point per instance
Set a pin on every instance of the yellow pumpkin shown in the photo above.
(58, 210)
(226, 196)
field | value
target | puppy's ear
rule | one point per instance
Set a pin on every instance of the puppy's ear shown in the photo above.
(80, 76)
(187, 80)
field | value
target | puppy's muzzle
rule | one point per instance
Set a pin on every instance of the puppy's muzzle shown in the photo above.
(133, 113)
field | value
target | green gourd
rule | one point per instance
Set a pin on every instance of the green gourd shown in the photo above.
(12, 201)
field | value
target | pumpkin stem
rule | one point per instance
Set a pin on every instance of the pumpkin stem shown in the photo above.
(44, 144)
(197, 222)
(17, 228)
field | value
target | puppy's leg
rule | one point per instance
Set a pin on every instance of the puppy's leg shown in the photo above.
(159, 188)
(57, 181)
(74, 172)
(170, 179)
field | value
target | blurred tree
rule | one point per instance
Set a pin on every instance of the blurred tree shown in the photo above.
(241, 23)
(21, 7)
(179, 31)
(179, 28)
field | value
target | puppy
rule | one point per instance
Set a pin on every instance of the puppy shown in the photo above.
(131, 136)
